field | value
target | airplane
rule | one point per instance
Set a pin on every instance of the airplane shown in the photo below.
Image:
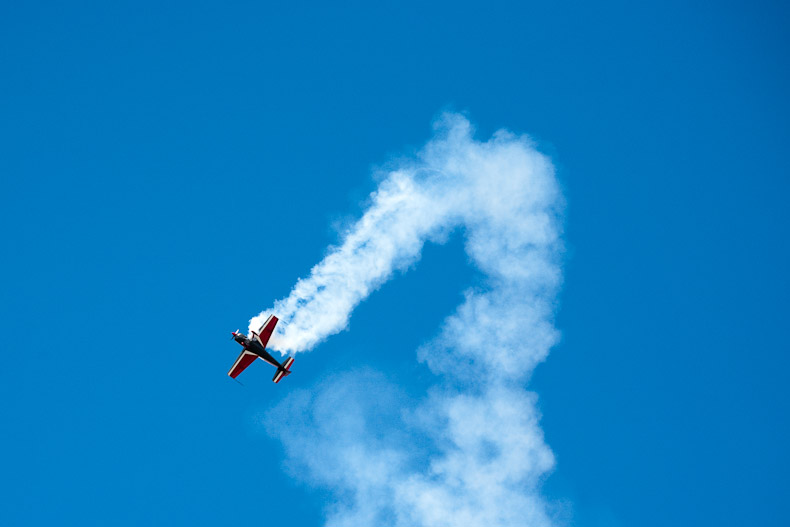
(255, 348)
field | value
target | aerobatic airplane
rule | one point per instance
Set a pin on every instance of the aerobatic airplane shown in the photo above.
(255, 348)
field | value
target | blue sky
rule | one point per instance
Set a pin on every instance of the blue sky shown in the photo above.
(169, 172)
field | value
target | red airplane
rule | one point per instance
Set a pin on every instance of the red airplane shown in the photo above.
(255, 348)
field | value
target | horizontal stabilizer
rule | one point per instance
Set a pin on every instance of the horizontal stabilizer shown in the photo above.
(285, 371)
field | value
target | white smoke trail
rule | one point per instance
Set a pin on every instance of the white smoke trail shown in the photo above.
(483, 453)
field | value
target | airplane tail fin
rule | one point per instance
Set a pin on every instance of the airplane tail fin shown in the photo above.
(284, 371)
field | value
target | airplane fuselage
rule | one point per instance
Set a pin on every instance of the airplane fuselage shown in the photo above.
(254, 346)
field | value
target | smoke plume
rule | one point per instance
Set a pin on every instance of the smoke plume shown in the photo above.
(472, 452)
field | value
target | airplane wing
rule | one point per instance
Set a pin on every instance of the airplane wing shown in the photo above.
(265, 332)
(245, 359)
